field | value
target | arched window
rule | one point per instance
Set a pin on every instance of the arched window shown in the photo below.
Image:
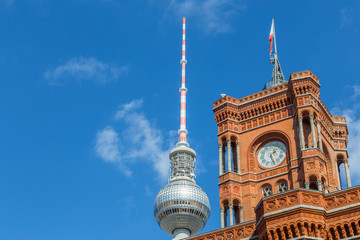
(282, 186)
(266, 191)
(229, 157)
(313, 183)
(226, 215)
(234, 153)
(341, 170)
(237, 211)
(306, 129)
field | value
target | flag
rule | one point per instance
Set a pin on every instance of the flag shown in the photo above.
(271, 36)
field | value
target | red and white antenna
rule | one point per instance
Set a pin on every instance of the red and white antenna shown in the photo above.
(183, 90)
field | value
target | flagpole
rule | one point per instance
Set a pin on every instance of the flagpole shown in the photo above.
(275, 55)
(275, 52)
(277, 74)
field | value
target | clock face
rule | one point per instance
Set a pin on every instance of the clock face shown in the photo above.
(272, 154)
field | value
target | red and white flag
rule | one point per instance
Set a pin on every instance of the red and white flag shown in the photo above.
(271, 36)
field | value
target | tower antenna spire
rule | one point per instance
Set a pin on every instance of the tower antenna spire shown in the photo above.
(182, 131)
(277, 74)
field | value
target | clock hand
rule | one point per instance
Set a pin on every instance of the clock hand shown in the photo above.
(272, 157)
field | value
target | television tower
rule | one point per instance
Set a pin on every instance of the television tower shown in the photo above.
(182, 208)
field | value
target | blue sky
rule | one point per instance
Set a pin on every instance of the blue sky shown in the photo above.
(89, 101)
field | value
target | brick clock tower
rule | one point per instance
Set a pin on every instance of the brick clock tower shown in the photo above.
(280, 155)
(279, 177)
(279, 139)
(280, 152)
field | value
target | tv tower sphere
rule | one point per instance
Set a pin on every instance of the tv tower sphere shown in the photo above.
(182, 208)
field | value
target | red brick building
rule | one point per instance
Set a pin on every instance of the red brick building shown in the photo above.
(279, 155)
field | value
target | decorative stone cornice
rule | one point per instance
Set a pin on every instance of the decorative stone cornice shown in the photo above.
(313, 206)
(303, 74)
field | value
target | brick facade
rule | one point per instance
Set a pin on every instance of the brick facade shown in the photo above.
(298, 198)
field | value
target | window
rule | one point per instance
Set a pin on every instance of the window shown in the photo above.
(266, 191)
(313, 182)
(282, 186)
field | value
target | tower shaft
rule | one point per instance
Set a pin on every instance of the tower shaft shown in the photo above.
(183, 90)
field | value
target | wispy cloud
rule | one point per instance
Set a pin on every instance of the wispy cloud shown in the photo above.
(353, 121)
(350, 108)
(127, 108)
(137, 141)
(213, 16)
(347, 17)
(84, 69)
(107, 147)
(350, 18)
(356, 92)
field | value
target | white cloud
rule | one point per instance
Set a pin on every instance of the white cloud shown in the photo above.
(107, 144)
(84, 69)
(128, 107)
(141, 141)
(212, 15)
(107, 147)
(350, 108)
